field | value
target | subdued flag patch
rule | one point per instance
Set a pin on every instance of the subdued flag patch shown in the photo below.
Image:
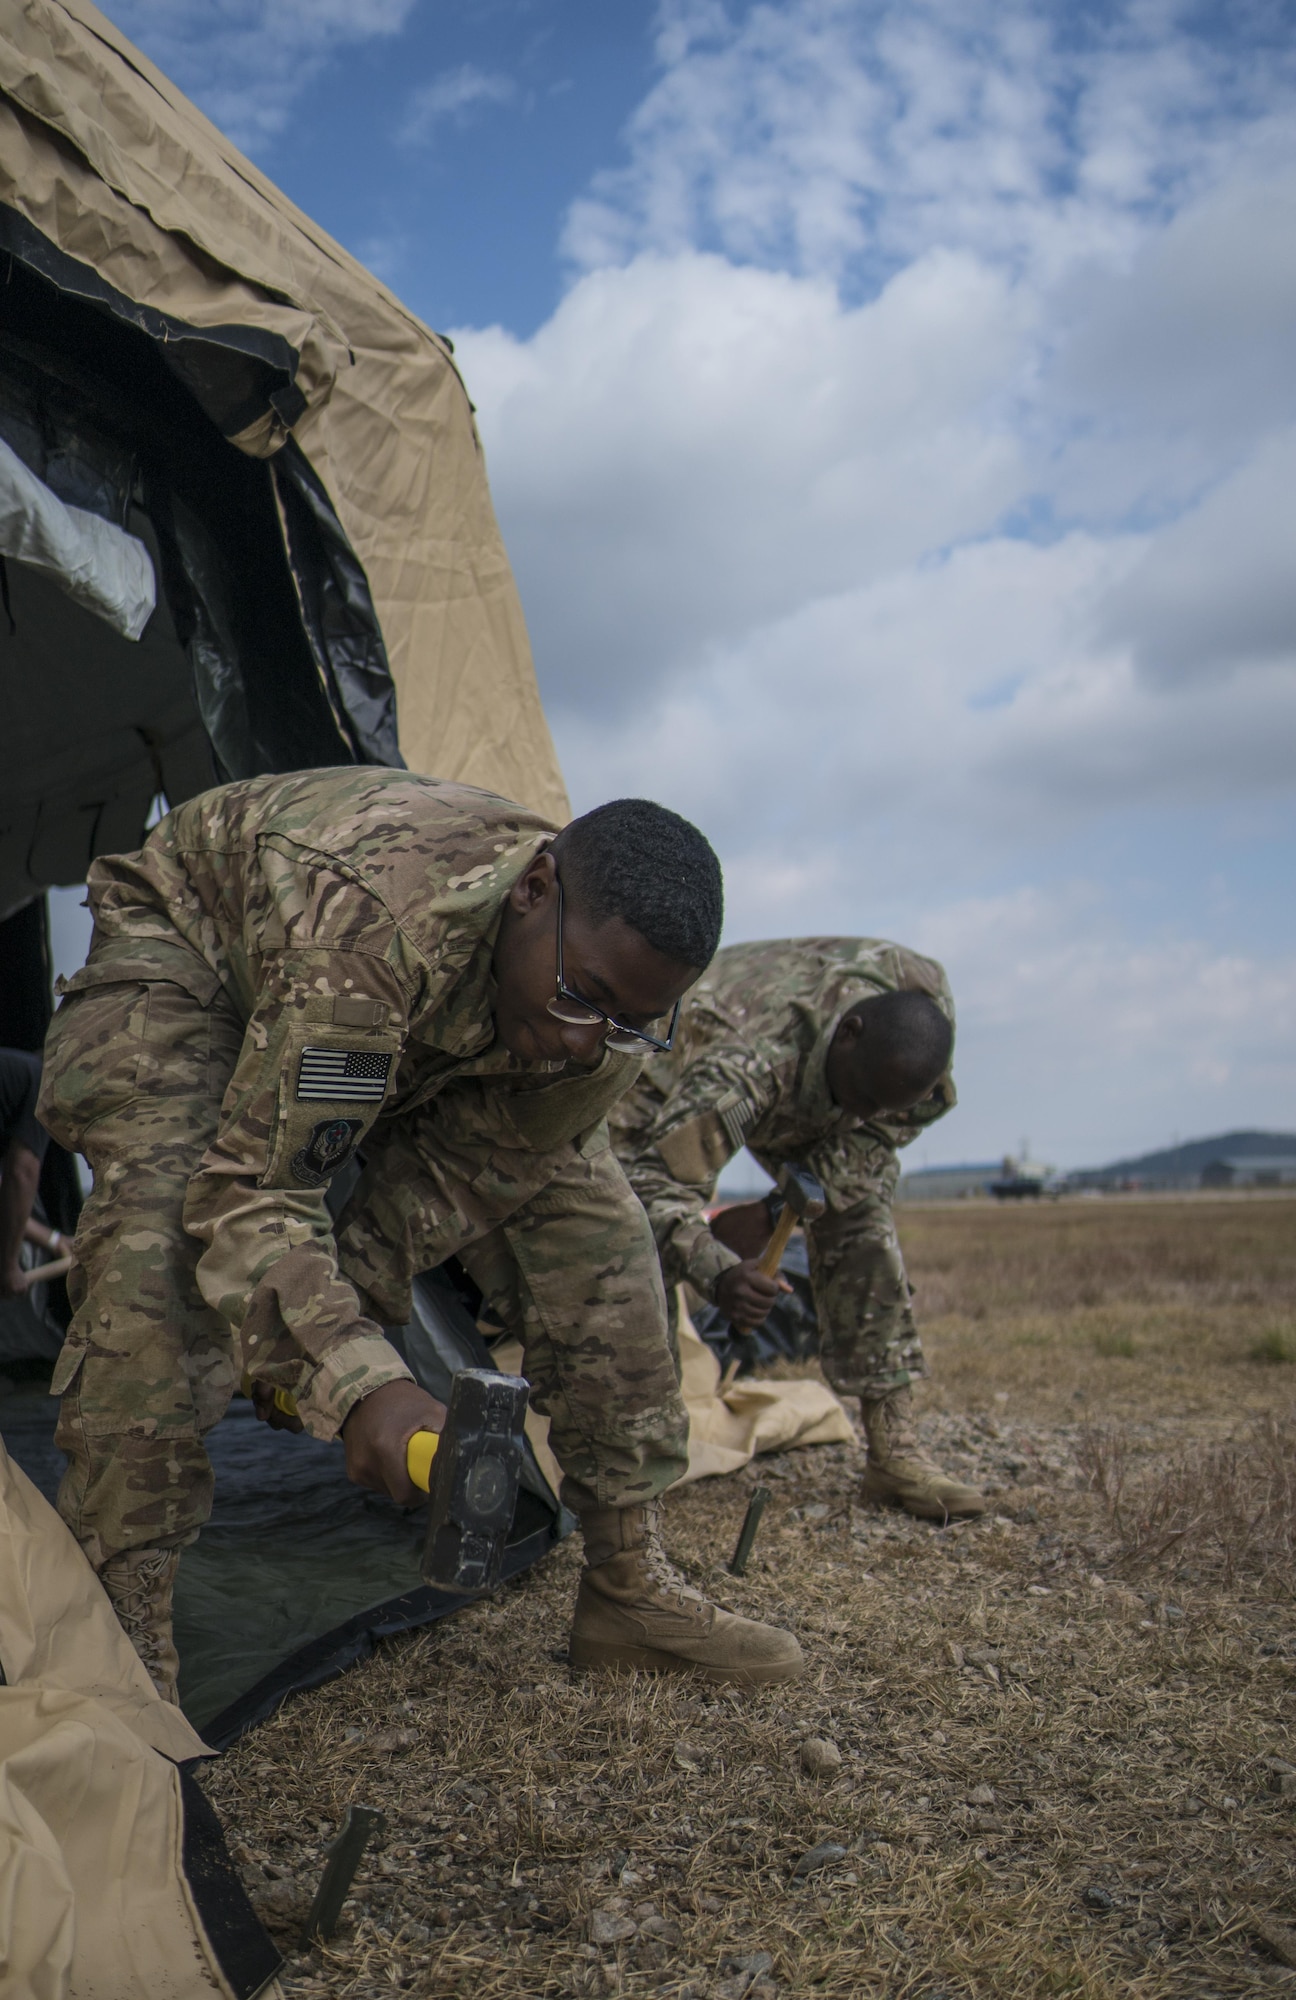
(343, 1076)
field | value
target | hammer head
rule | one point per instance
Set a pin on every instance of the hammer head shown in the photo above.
(803, 1194)
(474, 1482)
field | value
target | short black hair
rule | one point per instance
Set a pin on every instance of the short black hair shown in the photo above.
(907, 1039)
(643, 863)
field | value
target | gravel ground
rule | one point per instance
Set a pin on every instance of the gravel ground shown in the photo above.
(1021, 1761)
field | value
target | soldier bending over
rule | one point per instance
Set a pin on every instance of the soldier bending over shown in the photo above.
(296, 968)
(830, 1052)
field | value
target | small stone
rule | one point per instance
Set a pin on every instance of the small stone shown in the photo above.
(1038, 1590)
(663, 1928)
(989, 1823)
(392, 1740)
(1282, 1781)
(1095, 1898)
(731, 1989)
(1280, 1940)
(754, 1963)
(821, 1856)
(820, 1756)
(954, 1653)
(983, 1795)
(608, 1928)
(280, 1899)
(688, 1757)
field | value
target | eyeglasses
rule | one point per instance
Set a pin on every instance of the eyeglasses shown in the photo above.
(568, 1006)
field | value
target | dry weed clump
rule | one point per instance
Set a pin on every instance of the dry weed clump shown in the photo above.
(1016, 1766)
(1232, 1503)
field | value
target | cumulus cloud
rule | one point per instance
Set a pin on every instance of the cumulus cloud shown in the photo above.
(449, 97)
(1097, 1041)
(849, 135)
(246, 62)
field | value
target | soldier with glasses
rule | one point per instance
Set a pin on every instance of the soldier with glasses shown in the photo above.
(297, 970)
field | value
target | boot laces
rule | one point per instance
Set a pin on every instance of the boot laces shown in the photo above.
(134, 1588)
(659, 1567)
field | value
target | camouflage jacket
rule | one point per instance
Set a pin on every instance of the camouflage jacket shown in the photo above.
(351, 917)
(748, 1069)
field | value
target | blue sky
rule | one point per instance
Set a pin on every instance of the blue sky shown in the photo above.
(891, 412)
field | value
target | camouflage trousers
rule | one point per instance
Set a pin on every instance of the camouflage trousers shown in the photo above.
(134, 1077)
(868, 1343)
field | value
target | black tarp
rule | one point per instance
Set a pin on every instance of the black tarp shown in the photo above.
(297, 1574)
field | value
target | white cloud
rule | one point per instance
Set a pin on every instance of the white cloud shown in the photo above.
(1098, 1042)
(246, 62)
(450, 96)
(818, 135)
(689, 449)
(1217, 590)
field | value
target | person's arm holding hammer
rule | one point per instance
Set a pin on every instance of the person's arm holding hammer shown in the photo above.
(673, 1169)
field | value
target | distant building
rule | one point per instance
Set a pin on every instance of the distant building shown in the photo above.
(948, 1183)
(1258, 1170)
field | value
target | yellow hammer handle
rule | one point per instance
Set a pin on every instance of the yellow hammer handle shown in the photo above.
(772, 1255)
(419, 1452)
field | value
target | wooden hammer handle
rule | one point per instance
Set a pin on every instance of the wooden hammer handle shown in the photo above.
(772, 1255)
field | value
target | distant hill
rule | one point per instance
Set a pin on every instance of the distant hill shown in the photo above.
(1185, 1163)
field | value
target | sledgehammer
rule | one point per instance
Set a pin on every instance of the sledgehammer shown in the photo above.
(470, 1473)
(803, 1201)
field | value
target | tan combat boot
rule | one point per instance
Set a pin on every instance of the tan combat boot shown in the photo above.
(899, 1475)
(139, 1584)
(634, 1610)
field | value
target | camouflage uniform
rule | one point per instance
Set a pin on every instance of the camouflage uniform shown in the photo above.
(289, 969)
(748, 1069)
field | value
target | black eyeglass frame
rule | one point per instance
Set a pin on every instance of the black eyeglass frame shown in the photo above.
(615, 1027)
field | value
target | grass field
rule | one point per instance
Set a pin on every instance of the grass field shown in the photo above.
(1060, 1733)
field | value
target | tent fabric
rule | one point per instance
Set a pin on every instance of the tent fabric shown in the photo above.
(114, 1879)
(726, 1430)
(97, 563)
(109, 174)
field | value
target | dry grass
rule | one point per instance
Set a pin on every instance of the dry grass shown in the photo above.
(1053, 1776)
(1230, 1505)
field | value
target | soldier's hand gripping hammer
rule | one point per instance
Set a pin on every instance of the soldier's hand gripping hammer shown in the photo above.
(470, 1472)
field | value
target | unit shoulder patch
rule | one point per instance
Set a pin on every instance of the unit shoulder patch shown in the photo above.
(329, 1147)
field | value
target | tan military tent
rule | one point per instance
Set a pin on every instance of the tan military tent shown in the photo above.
(186, 357)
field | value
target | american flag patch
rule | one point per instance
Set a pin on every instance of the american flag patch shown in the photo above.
(735, 1115)
(343, 1076)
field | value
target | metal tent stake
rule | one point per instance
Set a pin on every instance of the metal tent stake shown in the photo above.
(344, 1857)
(755, 1508)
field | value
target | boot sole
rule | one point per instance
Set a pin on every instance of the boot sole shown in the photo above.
(594, 1653)
(924, 1511)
